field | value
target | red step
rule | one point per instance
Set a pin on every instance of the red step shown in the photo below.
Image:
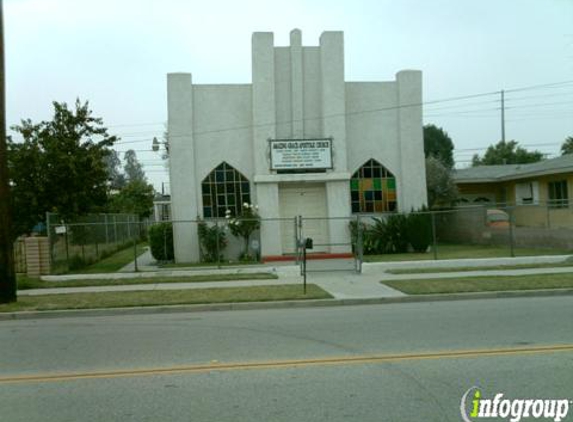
(317, 255)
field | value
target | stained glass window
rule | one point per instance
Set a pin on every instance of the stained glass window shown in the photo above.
(373, 189)
(224, 189)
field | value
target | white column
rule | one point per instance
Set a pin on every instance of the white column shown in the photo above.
(184, 189)
(412, 178)
(334, 95)
(268, 199)
(264, 115)
(296, 84)
(338, 200)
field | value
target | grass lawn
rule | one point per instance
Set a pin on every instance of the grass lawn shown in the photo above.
(483, 284)
(164, 297)
(455, 251)
(567, 263)
(112, 263)
(25, 283)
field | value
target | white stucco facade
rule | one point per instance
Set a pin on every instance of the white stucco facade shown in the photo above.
(297, 92)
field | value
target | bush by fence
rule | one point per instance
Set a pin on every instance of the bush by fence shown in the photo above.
(161, 241)
(393, 233)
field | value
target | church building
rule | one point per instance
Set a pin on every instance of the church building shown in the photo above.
(298, 140)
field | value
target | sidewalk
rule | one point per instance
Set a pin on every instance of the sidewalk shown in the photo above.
(340, 284)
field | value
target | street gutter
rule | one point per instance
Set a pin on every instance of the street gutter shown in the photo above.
(314, 303)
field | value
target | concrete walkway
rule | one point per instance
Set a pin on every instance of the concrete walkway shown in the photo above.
(340, 284)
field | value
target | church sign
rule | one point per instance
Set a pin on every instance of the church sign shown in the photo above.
(293, 154)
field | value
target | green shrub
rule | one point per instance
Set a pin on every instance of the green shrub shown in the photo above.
(368, 239)
(387, 235)
(161, 241)
(419, 230)
(77, 262)
(212, 241)
(244, 226)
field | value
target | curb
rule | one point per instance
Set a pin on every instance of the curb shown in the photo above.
(314, 303)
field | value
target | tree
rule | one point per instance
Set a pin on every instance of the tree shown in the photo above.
(507, 152)
(437, 143)
(442, 191)
(113, 165)
(136, 197)
(133, 169)
(60, 166)
(567, 146)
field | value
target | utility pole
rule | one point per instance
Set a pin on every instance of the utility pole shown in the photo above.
(503, 115)
(7, 273)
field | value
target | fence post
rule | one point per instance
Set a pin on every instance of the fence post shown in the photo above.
(51, 240)
(106, 233)
(135, 254)
(217, 242)
(298, 237)
(115, 228)
(67, 246)
(434, 242)
(165, 242)
(511, 241)
(359, 243)
(296, 251)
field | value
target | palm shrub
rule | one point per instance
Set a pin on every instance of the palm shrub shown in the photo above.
(396, 228)
(212, 241)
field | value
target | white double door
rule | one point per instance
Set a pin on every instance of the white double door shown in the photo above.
(309, 201)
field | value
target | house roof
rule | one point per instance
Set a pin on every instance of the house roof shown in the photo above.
(505, 172)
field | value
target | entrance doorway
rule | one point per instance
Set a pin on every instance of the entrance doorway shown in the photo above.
(308, 200)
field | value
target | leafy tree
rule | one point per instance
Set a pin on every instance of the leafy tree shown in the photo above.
(507, 152)
(442, 191)
(567, 146)
(136, 197)
(60, 166)
(437, 143)
(133, 169)
(113, 165)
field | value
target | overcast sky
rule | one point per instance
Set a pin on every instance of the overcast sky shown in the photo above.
(116, 54)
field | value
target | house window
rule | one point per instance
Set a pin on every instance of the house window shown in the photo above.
(558, 194)
(224, 189)
(373, 189)
(527, 193)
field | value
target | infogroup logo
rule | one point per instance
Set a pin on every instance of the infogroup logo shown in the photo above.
(474, 406)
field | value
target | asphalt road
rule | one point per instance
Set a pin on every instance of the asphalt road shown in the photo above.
(403, 362)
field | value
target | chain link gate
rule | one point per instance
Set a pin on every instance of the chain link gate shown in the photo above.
(335, 247)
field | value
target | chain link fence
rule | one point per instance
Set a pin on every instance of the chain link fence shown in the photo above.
(338, 243)
(482, 231)
(74, 245)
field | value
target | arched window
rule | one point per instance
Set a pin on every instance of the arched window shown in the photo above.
(373, 189)
(224, 189)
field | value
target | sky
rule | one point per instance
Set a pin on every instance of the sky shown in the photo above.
(116, 55)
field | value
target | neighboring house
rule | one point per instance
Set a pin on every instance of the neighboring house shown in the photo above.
(298, 140)
(540, 191)
(162, 208)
